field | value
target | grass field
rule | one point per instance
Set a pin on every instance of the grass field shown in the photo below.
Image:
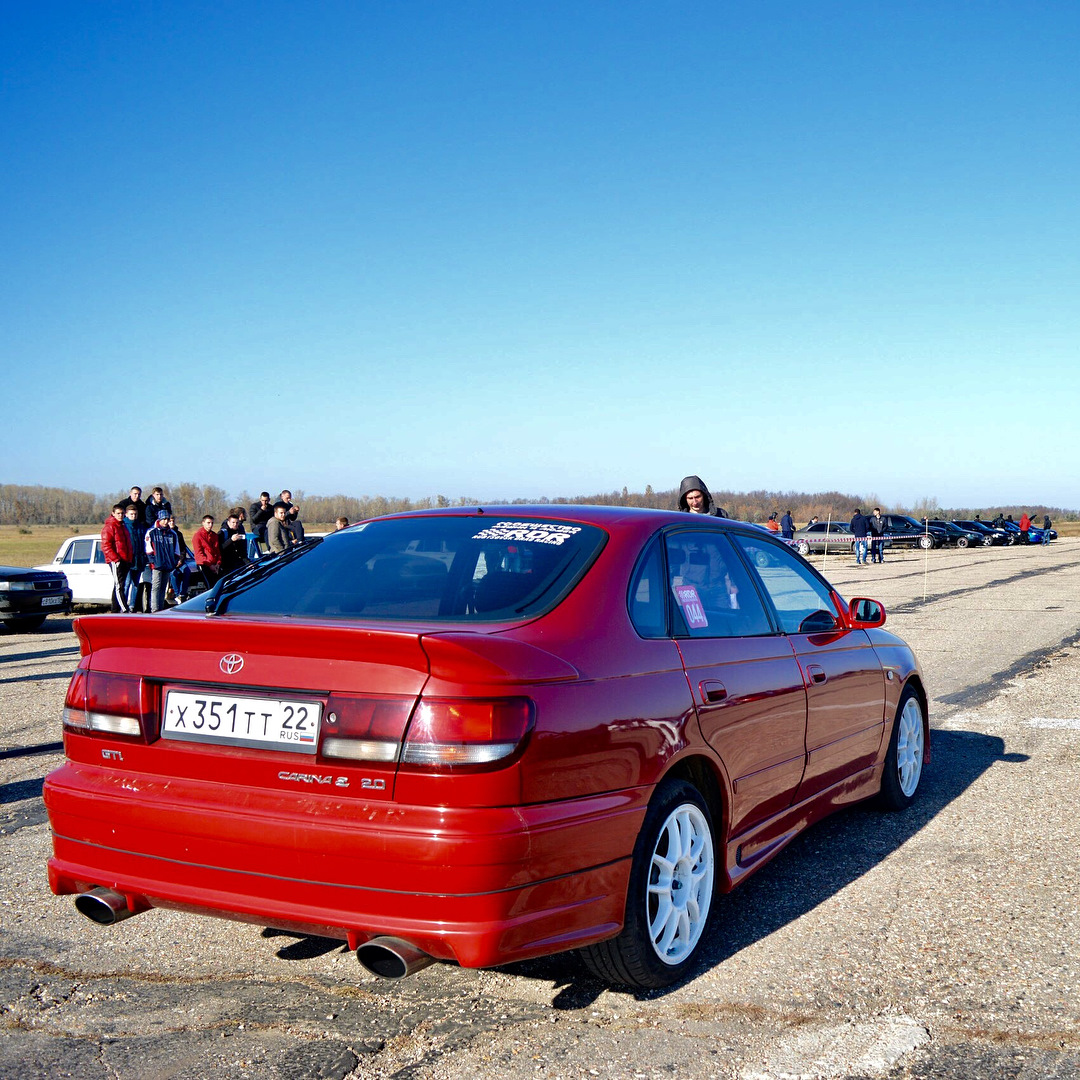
(32, 545)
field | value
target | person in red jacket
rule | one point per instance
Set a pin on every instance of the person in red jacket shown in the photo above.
(207, 547)
(119, 557)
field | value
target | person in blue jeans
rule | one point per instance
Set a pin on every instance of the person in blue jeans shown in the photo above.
(860, 529)
(163, 554)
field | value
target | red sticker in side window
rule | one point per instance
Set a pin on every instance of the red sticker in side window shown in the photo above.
(690, 603)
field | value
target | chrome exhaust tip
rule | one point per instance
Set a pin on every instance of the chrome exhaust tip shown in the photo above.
(392, 958)
(104, 906)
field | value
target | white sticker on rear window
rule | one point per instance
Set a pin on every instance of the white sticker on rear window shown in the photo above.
(537, 532)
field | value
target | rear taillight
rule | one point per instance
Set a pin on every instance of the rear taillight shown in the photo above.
(449, 733)
(364, 728)
(102, 701)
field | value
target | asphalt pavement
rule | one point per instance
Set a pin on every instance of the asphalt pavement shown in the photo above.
(935, 943)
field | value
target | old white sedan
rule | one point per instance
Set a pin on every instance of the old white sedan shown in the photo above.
(83, 563)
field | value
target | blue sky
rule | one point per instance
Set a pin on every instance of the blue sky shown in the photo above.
(501, 249)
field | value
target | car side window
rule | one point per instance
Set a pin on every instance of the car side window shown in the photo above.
(80, 552)
(803, 604)
(713, 593)
(99, 554)
(647, 600)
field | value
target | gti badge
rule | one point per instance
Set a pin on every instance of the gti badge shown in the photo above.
(231, 664)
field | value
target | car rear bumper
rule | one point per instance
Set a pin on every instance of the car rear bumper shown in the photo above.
(480, 886)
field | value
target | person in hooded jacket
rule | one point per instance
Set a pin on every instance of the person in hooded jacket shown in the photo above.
(694, 498)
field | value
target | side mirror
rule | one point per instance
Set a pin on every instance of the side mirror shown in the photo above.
(865, 614)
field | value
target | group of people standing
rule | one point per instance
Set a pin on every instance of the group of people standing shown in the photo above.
(139, 536)
(869, 532)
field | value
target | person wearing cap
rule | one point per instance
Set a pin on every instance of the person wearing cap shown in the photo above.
(163, 554)
(772, 524)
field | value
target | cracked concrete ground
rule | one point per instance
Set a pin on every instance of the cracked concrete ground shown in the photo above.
(935, 943)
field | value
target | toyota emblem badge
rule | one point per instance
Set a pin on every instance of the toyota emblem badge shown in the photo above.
(231, 664)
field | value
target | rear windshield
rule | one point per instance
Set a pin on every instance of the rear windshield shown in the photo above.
(430, 568)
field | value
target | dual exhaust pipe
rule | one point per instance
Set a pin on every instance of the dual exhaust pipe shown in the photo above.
(386, 957)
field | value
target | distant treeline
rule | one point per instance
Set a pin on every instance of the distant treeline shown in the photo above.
(35, 505)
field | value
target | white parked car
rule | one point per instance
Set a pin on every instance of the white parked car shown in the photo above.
(83, 564)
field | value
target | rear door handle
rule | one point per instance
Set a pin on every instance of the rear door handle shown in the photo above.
(817, 674)
(712, 690)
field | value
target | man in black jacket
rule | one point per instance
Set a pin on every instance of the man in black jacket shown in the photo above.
(261, 512)
(860, 528)
(877, 536)
(694, 498)
(155, 506)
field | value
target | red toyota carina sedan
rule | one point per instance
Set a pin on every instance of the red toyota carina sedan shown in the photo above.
(481, 736)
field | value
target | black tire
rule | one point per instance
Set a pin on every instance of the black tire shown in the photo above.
(926, 542)
(634, 957)
(962, 542)
(24, 626)
(802, 547)
(904, 758)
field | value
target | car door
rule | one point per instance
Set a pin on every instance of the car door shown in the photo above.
(83, 563)
(747, 686)
(844, 679)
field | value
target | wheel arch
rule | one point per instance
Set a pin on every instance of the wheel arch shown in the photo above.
(916, 684)
(706, 775)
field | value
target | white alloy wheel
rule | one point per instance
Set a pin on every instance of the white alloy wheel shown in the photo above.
(909, 747)
(680, 886)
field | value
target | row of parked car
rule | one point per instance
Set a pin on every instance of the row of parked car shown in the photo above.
(904, 531)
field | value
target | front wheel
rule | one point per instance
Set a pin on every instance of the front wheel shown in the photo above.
(904, 758)
(962, 542)
(669, 897)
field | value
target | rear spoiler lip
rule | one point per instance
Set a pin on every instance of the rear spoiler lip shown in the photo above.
(461, 656)
(271, 635)
(452, 655)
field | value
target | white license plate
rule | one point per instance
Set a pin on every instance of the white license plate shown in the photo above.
(266, 723)
(51, 601)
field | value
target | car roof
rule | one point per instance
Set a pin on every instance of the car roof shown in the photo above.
(602, 516)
